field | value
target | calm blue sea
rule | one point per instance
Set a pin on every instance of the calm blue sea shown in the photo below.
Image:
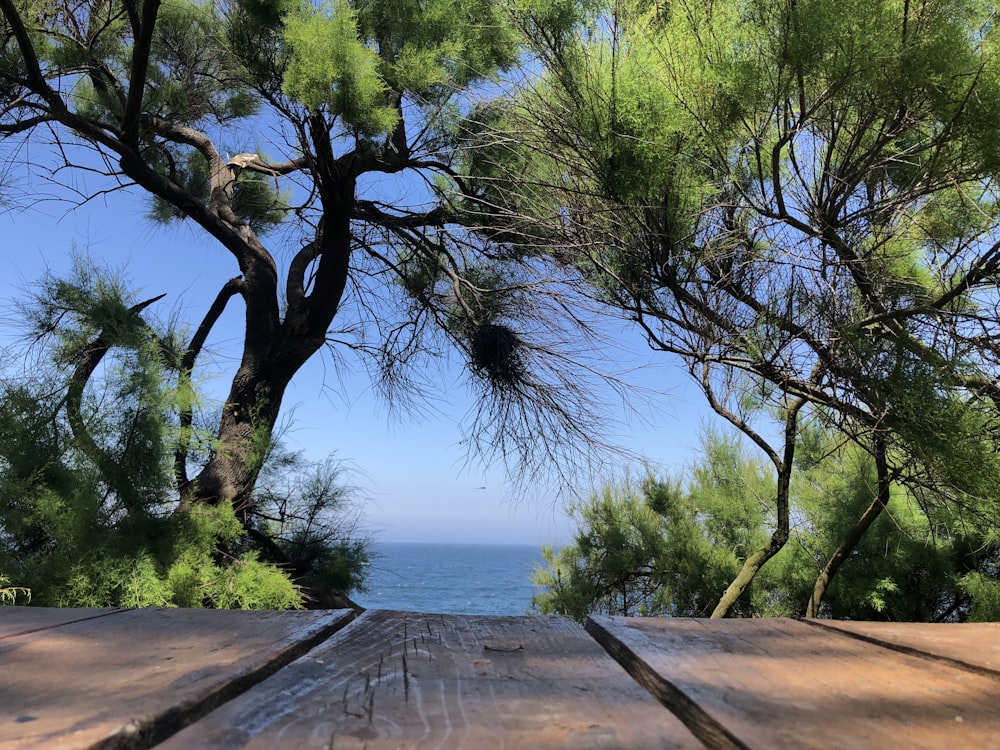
(491, 579)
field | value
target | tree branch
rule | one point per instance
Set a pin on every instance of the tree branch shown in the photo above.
(141, 48)
(295, 285)
(253, 163)
(858, 530)
(36, 79)
(91, 357)
(186, 416)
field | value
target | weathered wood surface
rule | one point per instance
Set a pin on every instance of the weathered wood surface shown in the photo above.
(771, 683)
(406, 680)
(197, 678)
(132, 678)
(16, 620)
(974, 646)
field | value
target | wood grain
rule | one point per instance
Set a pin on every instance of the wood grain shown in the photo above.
(974, 646)
(131, 679)
(406, 680)
(17, 620)
(776, 683)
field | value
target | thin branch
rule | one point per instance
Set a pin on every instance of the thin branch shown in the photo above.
(90, 358)
(186, 417)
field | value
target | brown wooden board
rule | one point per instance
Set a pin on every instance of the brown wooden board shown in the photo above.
(969, 645)
(775, 683)
(407, 680)
(16, 620)
(133, 678)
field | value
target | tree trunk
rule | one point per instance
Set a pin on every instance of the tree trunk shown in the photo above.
(779, 537)
(850, 541)
(252, 408)
(752, 565)
(245, 430)
(274, 349)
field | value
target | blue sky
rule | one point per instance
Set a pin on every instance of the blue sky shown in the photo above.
(412, 471)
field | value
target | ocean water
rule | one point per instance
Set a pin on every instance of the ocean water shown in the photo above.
(483, 579)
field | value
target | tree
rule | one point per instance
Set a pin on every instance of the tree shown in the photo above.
(147, 95)
(88, 515)
(664, 547)
(671, 547)
(796, 199)
(908, 562)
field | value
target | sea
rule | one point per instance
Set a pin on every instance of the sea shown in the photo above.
(474, 579)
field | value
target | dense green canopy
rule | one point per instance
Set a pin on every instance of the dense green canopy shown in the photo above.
(799, 199)
(320, 103)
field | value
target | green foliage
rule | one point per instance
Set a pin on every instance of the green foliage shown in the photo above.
(428, 46)
(633, 122)
(193, 77)
(612, 567)
(89, 515)
(909, 563)
(330, 66)
(663, 548)
(347, 57)
(9, 594)
(949, 433)
(75, 542)
(257, 201)
(197, 579)
(671, 548)
(556, 17)
(984, 591)
(313, 516)
(183, 566)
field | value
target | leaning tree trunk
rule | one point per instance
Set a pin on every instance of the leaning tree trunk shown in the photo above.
(272, 355)
(245, 430)
(850, 541)
(255, 394)
(779, 537)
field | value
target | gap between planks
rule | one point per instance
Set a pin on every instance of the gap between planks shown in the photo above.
(778, 683)
(697, 719)
(908, 649)
(58, 623)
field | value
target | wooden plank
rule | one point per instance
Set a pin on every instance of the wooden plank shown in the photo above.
(16, 620)
(402, 679)
(770, 683)
(974, 646)
(134, 678)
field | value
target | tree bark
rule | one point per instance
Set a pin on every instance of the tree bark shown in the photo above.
(779, 537)
(248, 419)
(850, 541)
(274, 349)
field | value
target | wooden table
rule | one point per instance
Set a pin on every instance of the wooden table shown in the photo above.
(220, 679)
